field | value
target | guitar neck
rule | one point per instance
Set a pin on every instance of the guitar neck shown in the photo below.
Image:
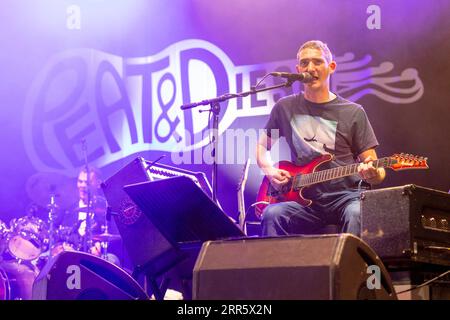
(303, 180)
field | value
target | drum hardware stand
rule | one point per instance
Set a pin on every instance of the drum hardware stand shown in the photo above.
(51, 218)
(104, 247)
(87, 237)
(104, 244)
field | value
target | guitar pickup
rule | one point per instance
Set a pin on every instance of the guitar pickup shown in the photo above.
(284, 189)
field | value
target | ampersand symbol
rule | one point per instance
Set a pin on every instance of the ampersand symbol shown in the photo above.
(165, 107)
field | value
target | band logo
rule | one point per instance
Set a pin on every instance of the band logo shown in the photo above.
(123, 106)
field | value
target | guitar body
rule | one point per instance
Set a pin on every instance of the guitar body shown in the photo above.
(265, 193)
(292, 191)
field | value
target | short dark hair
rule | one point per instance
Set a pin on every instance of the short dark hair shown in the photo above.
(319, 45)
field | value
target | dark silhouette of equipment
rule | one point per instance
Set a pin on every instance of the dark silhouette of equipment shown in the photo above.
(407, 223)
(186, 217)
(408, 227)
(163, 223)
(290, 268)
(80, 276)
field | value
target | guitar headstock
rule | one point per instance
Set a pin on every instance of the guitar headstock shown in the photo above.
(405, 161)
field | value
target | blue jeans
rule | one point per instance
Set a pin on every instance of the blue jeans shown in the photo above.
(289, 217)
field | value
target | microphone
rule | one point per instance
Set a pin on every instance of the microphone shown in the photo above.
(302, 77)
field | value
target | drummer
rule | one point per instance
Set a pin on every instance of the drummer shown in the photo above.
(89, 191)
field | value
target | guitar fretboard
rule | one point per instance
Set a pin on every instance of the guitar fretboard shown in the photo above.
(303, 180)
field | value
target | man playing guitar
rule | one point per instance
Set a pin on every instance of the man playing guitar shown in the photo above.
(315, 123)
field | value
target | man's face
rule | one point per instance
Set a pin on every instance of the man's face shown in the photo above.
(313, 61)
(82, 184)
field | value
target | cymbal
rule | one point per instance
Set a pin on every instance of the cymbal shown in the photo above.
(42, 185)
(106, 237)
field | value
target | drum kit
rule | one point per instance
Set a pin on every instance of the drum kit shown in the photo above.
(27, 244)
(21, 245)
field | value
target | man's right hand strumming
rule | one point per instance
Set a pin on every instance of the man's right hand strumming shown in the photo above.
(277, 177)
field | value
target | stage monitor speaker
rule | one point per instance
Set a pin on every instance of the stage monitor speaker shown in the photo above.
(163, 223)
(184, 214)
(142, 240)
(182, 211)
(80, 276)
(290, 268)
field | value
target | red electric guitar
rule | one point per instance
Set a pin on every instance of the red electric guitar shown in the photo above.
(304, 176)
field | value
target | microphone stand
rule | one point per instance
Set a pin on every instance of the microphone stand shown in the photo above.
(215, 109)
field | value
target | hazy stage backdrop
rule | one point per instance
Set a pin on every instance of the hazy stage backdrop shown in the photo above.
(111, 76)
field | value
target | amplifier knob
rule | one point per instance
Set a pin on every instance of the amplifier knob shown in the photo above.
(444, 224)
(433, 222)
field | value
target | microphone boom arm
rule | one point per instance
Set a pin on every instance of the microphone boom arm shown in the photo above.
(215, 109)
(229, 96)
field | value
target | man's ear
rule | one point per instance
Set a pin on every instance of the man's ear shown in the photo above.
(332, 67)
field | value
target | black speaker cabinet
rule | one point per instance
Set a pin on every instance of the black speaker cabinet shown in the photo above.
(81, 276)
(409, 223)
(290, 268)
(186, 216)
(142, 240)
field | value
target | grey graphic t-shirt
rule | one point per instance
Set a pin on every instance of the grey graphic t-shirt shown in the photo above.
(339, 127)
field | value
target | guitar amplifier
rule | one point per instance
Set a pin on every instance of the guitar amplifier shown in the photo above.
(407, 223)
